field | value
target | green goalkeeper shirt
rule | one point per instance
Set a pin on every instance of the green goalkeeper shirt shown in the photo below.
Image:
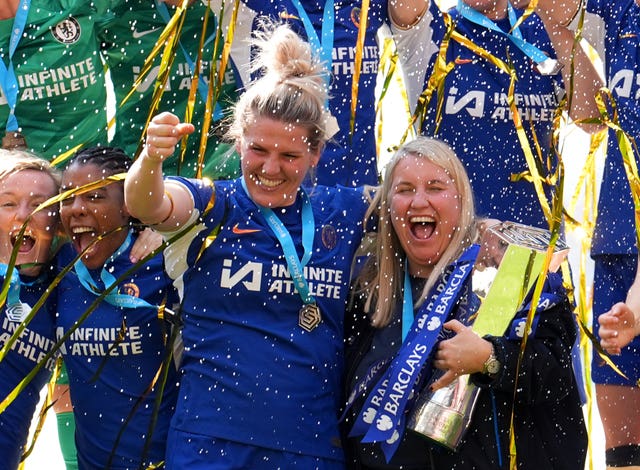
(61, 99)
(129, 33)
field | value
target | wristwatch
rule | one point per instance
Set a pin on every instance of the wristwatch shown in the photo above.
(492, 365)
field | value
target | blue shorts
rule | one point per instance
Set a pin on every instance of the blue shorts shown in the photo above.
(612, 278)
(198, 452)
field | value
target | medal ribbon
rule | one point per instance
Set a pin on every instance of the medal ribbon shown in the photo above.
(13, 295)
(382, 415)
(478, 18)
(8, 79)
(407, 304)
(294, 264)
(203, 88)
(323, 47)
(108, 279)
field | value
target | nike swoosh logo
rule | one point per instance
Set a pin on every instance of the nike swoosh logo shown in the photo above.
(459, 61)
(138, 34)
(241, 231)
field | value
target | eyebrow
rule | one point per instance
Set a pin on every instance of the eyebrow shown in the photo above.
(67, 188)
(12, 193)
(440, 181)
(429, 182)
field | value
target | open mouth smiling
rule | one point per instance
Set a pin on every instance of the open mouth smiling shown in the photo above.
(268, 183)
(80, 230)
(83, 237)
(27, 242)
(422, 227)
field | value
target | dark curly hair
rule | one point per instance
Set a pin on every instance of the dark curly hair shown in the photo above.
(112, 160)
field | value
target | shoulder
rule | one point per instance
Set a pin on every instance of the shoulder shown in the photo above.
(341, 194)
(350, 204)
(533, 29)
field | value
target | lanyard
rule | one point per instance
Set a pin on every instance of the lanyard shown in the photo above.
(407, 303)
(16, 310)
(203, 88)
(108, 279)
(531, 51)
(8, 79)
(323, 47)
(294, 264)
(13, 296)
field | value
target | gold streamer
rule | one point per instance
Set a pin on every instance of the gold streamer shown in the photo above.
(42, 414)
(362, 31)
(216, 79)
(536, 166)
(193, 90)
(436, 80)
(168, 43)
(392, 80)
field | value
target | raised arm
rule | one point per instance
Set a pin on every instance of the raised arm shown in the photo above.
(561, 12)
(585, 80)
(166, 206)
(405, 13)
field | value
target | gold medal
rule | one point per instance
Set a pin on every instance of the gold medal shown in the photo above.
(309, 317)
(13, 140)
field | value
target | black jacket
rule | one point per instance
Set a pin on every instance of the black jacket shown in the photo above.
(547, 415)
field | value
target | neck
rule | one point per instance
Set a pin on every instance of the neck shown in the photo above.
(423, 271)
(32, 271)
(8, 9)
(98, 260)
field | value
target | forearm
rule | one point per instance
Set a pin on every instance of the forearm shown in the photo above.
(633, 299)
(579, 73)
(144, 191)
(544, 373)
(561, 12)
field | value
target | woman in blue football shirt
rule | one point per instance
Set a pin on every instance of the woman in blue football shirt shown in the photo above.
(116, 357)
(265, 277)
(26, 181)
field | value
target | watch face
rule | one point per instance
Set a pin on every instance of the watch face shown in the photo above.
(493, 366)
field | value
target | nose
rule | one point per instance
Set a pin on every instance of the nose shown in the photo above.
(23, 211)
(271, 165)
(77, 206)
(420, 199)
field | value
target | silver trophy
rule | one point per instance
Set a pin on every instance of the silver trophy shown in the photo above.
(510, 260)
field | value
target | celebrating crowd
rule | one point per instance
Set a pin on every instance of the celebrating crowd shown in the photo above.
(217, 275)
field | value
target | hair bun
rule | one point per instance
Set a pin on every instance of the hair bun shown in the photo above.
(285, 57)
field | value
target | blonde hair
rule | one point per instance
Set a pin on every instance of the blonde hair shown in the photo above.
(291, 89)
(384, 276)
(15, 161)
